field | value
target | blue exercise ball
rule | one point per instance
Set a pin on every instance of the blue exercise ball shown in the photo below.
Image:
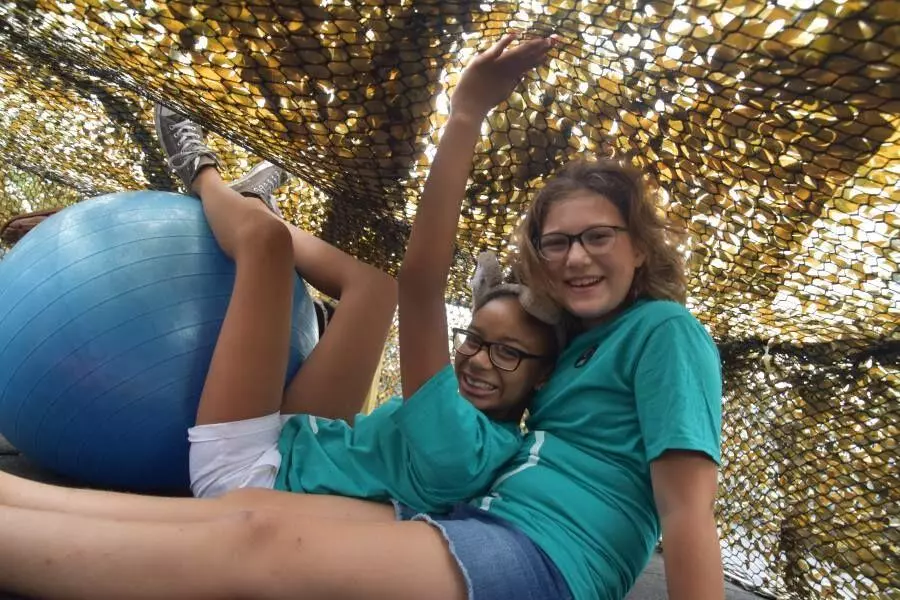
(109, 313)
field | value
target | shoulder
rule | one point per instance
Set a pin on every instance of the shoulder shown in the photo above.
(655, 312)
(677, 344)
(649, 327)
(667, 321)
(660, 332)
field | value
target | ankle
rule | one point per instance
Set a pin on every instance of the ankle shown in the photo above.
(206, 177)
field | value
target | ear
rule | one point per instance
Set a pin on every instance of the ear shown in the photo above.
(640, 257)
(544, 378)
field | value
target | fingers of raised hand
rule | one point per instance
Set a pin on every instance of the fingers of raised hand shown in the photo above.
(527, 54)
(497, 49)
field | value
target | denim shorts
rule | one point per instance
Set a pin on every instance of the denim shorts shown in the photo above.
(497, 561)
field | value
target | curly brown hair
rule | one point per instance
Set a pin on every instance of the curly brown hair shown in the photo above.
(662, 276)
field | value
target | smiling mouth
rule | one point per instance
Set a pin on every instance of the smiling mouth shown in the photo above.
(476, 386)
(583, 283)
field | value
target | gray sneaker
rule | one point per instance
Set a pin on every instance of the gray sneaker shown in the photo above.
(182, 141)
(262, 181)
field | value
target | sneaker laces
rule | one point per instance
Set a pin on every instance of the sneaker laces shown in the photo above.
(190, 140)
(267, 186)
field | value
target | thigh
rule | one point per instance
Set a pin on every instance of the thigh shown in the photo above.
(498, 561)
(291, 505)
(250, 554)
(327, 559)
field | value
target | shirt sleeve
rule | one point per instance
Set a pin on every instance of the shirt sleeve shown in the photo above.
(455, 451)
(678, 390)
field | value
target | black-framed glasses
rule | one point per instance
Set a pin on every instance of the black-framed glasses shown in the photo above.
(597, 240)
(503, 356)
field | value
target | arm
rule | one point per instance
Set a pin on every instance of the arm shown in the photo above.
(336, 376)
(678, 391)
(684, 486)
(487, 81)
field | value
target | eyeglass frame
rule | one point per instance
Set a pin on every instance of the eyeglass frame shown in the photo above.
(571, 238)
(482, 344)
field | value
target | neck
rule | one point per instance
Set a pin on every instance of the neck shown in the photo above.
(593, 322)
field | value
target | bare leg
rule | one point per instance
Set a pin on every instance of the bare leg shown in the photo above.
(248, 555)
(246, 375)
(23, 493)
(337, 375)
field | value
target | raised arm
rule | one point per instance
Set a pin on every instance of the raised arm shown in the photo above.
(422, 281)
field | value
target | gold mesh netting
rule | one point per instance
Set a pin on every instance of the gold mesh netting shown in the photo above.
(772, 128)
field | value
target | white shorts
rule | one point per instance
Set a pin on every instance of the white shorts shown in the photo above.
(239, 454)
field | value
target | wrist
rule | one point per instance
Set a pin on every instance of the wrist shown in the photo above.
(467, 118)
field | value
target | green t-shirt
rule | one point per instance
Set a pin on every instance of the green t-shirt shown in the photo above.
(622, 394)
(429, 453)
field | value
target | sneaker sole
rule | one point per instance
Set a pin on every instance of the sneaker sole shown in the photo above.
(157, 120)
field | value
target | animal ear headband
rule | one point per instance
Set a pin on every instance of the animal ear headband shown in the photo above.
(488, 283)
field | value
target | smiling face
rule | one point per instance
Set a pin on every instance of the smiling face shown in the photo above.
(643, 261)
(590, 286)
(503, 395)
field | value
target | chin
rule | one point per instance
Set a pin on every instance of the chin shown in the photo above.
(588, 308)
(481, 404)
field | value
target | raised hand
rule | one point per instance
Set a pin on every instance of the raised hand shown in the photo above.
(492, 75)
(488, 80)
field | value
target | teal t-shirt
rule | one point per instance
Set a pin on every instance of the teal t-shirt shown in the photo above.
(430, 452)
(622, 394)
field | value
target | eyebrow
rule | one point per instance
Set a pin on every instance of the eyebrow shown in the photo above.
(508, 341)
(583, 229)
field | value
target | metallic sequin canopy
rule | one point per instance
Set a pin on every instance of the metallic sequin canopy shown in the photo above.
(771, 127)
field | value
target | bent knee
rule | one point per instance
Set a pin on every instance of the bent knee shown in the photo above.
(263, 233)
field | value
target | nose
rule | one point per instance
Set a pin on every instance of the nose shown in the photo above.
(577, 255)
(481, 359)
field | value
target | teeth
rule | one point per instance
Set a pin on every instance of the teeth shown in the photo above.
(481, 385)
(584, 282)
